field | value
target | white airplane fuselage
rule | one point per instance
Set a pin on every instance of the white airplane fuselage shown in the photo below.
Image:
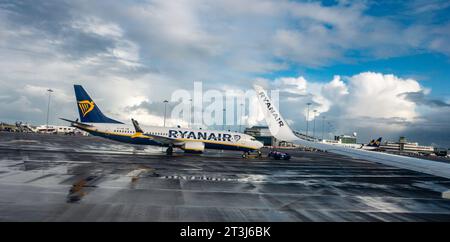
(186, 139)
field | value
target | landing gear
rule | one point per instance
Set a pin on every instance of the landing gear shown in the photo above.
(245, 155)
(169, 150)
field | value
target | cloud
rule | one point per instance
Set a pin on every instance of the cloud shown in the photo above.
(127, 53)
(432, 126)
(295, 86)
(335, 89)
(421, 99)
(377, 95)
(368, 103)
(425, 7)
(150, 118)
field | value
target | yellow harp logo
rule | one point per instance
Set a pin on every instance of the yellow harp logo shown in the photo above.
(86, 106)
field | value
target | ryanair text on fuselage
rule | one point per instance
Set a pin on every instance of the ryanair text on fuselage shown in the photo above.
(180, 134)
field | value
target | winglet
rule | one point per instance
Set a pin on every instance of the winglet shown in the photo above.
(137, 128)
(139, 133)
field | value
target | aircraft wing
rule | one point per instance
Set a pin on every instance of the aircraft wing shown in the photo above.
(160, 139)
(410, 163)
(186, 145)
(75, 123)
(140, 134)
(280, 130)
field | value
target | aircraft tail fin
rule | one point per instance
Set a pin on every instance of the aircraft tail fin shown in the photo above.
(378, 142)
(88, 110)
(277, 125)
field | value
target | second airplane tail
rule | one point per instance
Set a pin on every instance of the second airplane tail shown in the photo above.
(375, 143)
(88, 110)
(378, 142)
(277, 125)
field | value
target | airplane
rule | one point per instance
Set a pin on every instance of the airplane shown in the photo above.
(373, 144)
(93, 121)
(281, 131)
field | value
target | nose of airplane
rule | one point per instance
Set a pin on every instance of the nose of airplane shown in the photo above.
(259, 144)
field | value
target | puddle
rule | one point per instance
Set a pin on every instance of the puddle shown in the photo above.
(78, 191)
(141, 172)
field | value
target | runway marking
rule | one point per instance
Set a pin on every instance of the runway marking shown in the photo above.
(41, 177)
(99, 186)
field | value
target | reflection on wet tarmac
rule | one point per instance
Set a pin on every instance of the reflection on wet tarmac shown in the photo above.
(62, 178)
(141, 172)
(76, 191)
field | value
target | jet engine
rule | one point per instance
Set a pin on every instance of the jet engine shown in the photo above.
(193, 147)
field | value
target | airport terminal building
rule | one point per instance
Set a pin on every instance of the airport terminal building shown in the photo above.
(262, 133)
(404, 146)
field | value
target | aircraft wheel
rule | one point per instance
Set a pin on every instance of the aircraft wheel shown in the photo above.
(169, 150)
(245, 155)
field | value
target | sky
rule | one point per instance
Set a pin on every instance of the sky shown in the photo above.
(377, 68)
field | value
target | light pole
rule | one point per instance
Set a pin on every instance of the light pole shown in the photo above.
(48, 105)
(165, 109)
(330, 126)
(314, 128)
(323, 127)
(307, 120)
(190, 112)
(223, 119)
(240, 118)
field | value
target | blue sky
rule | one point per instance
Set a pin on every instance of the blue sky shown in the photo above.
(431, 69)
(379, 68)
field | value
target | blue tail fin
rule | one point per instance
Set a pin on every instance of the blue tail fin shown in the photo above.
(378, 142)
(88, 110)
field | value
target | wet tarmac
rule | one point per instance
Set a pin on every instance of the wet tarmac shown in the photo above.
(72, 178)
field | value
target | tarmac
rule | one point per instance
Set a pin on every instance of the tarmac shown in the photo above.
(77, 178)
